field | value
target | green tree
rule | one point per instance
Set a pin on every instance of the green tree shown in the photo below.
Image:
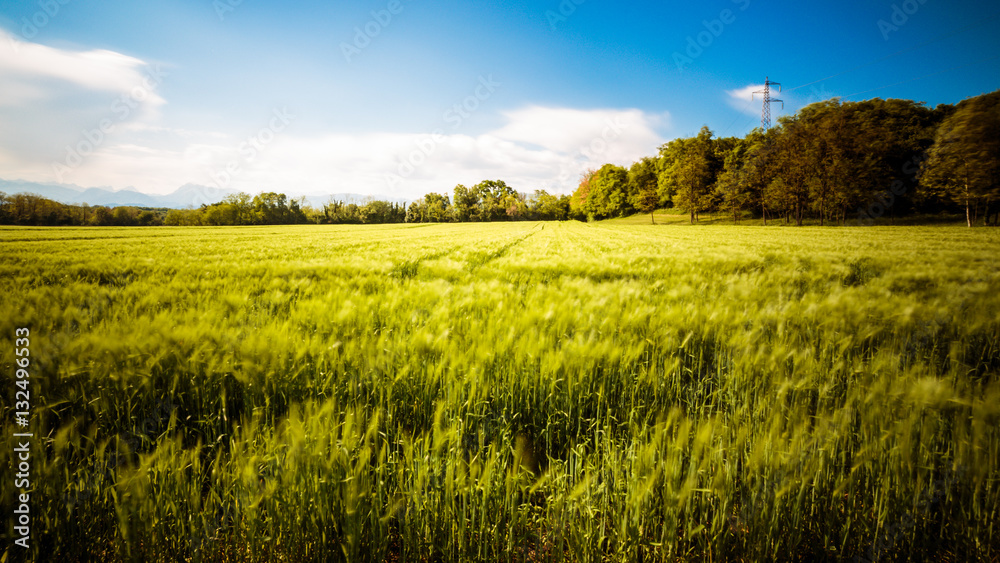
(516, 206)
(643, 184)
(546, 207)
(783, 171)
(964, 163)
(103, 217)
(852, 153)
(376, 212)
(436, 208)
(148, 218)
(341, 213)
(688, 171)
(896, 137)
(732, 186)
(218, 214)
(608, 195)
(466, 202)
(415, 213)
(242, 206)
(492, 196)
(269, 208)
(175, 217)
(6, 209)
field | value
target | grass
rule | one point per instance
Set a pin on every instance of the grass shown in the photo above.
(508, 392)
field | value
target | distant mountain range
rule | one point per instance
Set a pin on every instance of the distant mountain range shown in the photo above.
(189, 195)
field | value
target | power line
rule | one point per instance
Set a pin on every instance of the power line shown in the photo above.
(726, 130)
(893, 84)
(747, 124)
(896, 54)
(907, 50)
(922, 77)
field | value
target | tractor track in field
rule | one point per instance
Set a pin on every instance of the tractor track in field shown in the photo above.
(480, 259)
(408, 268)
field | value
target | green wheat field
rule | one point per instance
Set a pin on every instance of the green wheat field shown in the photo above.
(611, 391)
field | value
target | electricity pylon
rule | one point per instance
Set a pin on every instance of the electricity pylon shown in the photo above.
(765, 120)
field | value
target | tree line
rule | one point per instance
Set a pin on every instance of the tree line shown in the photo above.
(832, 162)
(490, 200)
(267, 208)
(31, 209)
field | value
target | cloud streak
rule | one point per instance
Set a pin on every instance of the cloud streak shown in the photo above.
(56, 99)
(96, 70)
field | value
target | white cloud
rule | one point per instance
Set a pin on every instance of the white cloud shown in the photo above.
(59, 97)
(537, 148)
(563, 129)
(744, 100)
(52, 98)
(93, 70)
(390, 164)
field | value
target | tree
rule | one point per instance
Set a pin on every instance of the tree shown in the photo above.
(565, 206)
(436, 208)
(895, 136)
(102, 216)
(376, 212)
(851, 154)
(579, 198)
(466, 202)
(688, 172)
(643, 181)
(546, 207)
(221, 213)
(341, 213)
(175, 217)
(516, 206)
(148, 218)
(964, 163)
(269, 208)
(608, 195)
(783, 175)
(731, 185)
(241, 205)
(415, 213)
(492, 196)
(6, 215)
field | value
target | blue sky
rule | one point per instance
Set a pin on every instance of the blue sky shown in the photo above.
(403, 97)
